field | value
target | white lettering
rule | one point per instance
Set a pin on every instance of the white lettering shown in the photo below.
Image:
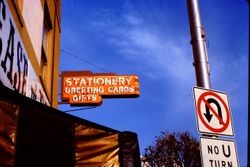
(88, 81)
(100, 81)
(83, 82)
(84, 98)
(76, 80)
(68, 82)
(128, 80)
(84, 90)
(121, 89)
(131, 89)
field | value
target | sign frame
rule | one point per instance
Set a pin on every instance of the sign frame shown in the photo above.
(213, 114)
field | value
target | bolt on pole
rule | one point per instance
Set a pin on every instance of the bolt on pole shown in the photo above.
(198, 42)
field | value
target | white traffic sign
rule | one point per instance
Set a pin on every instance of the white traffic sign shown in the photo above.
(218, 153)
(213, 112)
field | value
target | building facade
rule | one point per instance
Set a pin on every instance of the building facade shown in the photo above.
(33, 134)
(30, 47)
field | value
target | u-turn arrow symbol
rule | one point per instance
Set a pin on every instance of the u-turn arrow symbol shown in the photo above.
(207, 114)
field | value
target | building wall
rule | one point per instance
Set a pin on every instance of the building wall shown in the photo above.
(38, 25)
(33, 15)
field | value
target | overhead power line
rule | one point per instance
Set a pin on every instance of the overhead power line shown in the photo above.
(83, 60)
(78, 109)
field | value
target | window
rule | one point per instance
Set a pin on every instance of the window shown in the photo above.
(47, 26)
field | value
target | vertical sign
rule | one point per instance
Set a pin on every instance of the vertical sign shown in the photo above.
(16, 72)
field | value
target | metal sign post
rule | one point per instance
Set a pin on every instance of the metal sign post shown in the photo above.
(198, 42)
(212, 108)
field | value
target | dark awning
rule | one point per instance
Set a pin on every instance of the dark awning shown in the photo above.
(32, 134)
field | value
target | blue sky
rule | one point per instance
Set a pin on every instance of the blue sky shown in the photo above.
(150, 38)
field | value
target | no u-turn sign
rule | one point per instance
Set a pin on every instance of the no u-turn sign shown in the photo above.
(218, 153)
(213, 112)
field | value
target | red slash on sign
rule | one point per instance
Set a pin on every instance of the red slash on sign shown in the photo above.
(212, 112)
(216, 112)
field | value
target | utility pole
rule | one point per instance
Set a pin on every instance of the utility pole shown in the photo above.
(204, 97)
(198, 42)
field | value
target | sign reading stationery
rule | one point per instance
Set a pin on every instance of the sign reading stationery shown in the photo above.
(87, 88)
